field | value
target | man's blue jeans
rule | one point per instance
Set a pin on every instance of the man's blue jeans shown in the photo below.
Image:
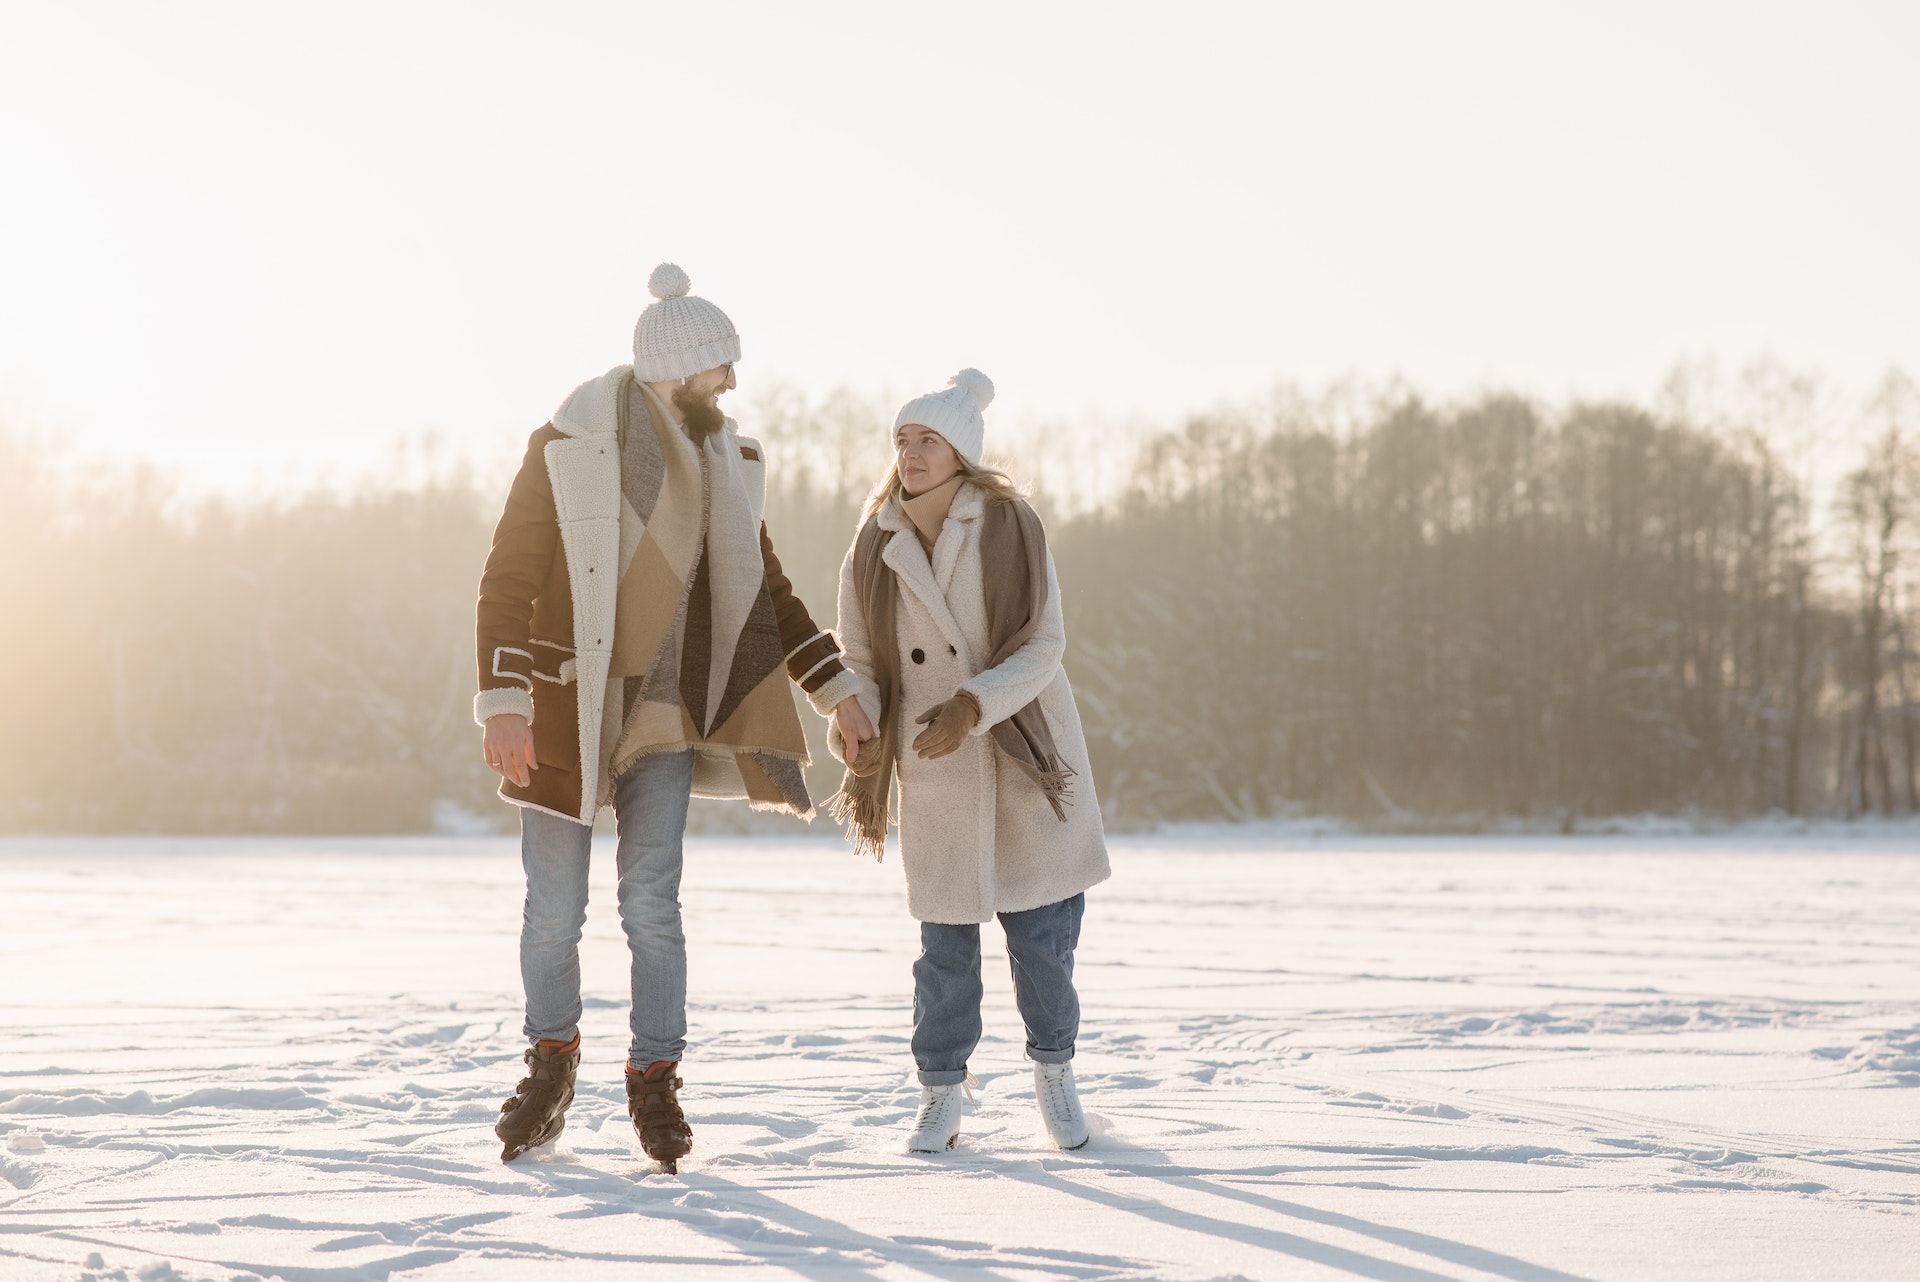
(946, 988)
(650, 810)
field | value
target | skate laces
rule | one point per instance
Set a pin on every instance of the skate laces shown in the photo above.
(1056, 1093)
(938, 1095)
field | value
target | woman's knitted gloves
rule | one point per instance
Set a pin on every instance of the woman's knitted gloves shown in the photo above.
(948, 725)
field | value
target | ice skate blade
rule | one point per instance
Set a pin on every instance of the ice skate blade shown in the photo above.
(952, 1141)
(514, 1152)
(511, 1151)
(667, 1159)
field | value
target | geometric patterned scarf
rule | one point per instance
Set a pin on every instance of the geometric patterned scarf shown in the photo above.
(697, 659)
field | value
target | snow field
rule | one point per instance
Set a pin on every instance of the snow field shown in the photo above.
(1335, 1057)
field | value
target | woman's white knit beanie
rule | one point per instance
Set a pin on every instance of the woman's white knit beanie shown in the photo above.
(680, 334)
(954, 412)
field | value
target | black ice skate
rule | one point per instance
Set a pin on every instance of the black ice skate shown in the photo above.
(538, 1110)
(653, 1103)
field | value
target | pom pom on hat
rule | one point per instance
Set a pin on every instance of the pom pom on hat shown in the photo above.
(978, 385)
(669, 281)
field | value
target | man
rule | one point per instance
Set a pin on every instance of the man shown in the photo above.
(632, 629)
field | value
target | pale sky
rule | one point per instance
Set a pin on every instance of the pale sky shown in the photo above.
(257, 242)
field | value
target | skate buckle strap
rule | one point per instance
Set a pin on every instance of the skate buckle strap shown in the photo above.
(648, 1098)
(654, 1106)
(550, 1066)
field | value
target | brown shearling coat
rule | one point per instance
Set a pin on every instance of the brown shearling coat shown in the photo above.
(524, 632)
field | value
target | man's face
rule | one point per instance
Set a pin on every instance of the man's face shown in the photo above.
(710, 384)
(698, 400)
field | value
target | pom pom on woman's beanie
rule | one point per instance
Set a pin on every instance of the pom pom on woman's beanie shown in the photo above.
(978, 385)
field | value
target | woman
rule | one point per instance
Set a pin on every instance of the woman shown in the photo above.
(950, 616)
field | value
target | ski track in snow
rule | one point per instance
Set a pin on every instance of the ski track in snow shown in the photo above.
(1305, 1057)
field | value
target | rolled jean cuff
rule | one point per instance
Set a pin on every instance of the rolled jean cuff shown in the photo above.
(942, 1076)
(1039, 1056)
(644, 1057)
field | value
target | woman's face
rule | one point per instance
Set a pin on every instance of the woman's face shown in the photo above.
(925, 460)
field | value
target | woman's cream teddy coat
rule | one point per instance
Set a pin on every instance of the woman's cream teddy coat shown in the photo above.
(976, 835)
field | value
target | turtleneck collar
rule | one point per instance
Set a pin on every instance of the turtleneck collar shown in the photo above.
(928, 511)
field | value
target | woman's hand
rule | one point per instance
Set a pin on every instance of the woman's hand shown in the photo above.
(508, 748)
(948, 725)
(855, 729)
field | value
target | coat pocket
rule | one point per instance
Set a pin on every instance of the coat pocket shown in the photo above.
(556, 725)
(552, 662)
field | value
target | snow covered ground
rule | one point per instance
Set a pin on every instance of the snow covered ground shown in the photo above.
(1527, 1059)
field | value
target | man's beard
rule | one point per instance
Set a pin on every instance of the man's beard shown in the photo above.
(700, 415)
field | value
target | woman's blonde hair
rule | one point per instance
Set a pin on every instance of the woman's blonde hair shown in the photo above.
(995, 484)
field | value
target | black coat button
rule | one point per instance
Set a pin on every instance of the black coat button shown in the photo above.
(952, 651)
(919, 656)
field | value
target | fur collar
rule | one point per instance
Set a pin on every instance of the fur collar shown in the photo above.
(929, 580)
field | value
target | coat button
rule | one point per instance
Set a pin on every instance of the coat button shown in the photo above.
(952, 651)
(919, 656)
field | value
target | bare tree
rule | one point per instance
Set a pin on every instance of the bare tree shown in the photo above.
(1364, 604)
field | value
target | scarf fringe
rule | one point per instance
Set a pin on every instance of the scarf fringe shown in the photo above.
(1056, 787)
(781, 808)
(863, 817)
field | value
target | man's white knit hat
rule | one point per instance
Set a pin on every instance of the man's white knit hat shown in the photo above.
(680, 334)
(954, 412)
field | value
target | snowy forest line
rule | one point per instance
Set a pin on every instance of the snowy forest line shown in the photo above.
(1409, 615)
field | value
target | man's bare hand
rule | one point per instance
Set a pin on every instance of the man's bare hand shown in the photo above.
(855, 729)
(508, 747)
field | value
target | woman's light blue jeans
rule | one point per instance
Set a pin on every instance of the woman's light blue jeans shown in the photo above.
(650, 809)
(947, 991)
